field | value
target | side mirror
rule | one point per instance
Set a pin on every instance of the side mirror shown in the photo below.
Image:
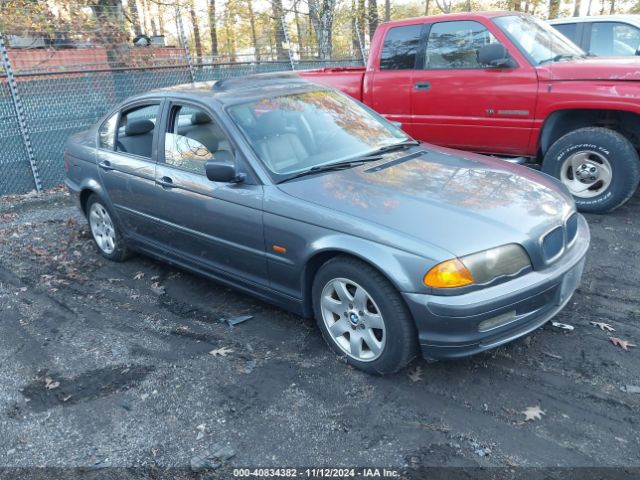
(222, 169)
(495, 55)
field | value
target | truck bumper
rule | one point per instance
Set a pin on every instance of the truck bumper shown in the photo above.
(462, 325)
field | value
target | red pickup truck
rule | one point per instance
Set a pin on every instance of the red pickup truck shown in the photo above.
(507, 84)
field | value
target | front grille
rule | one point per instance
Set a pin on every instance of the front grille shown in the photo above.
(572, 228)
(561, 237)
(553, 243)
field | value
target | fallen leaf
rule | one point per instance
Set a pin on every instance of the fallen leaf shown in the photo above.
(552, 355)
(415, 375)
(50, 384)
(155, 277)
(157, 288)
(138, 276)
(222, 352)
(624, 344)
(533, 413)
(603, 326)
(564, 326)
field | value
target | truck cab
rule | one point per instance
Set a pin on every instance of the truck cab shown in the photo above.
(507, 84)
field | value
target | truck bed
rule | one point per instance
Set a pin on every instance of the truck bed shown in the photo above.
(346, 79)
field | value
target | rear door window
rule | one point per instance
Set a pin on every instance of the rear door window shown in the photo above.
(400, 48)
(135, 130)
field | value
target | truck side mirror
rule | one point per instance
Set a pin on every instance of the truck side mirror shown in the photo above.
(495, 55)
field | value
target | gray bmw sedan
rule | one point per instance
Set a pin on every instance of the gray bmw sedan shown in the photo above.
(305, 198)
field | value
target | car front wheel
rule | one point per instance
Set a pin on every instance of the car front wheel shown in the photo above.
(363, 317)
(599, 166)
(104, 230)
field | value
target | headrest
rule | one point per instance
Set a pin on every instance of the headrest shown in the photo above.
(271, 123)
(139, 127)
(200, 118)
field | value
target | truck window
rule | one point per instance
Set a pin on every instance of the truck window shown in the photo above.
(455, 45)
(569, 30)
(400, 47)
(614, 39)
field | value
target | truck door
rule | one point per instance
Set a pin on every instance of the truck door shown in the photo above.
(457, 102)
(387, 88)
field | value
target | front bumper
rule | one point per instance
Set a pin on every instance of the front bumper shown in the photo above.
(450, 326)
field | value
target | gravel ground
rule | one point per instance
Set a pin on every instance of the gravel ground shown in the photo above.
(107, 365)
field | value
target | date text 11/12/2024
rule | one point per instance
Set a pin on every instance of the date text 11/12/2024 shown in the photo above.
(362, 472)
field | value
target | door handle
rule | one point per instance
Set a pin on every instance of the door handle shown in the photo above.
(422, 86)
(165, 182)
(105, 165)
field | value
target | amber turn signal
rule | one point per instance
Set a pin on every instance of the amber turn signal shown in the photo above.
(449, 274)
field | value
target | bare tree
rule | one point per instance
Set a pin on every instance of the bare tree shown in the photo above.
(427, 4)
(613, 7)
(109, 16)
(355, 40)
(576, 8)
(213, 29)
(296, 17)
(134, 17)
(387, 10)
(196, 30)
(278, 13)
(373, 18)
(321, 14)
(554, 8)
(252, 23)
(445, 6)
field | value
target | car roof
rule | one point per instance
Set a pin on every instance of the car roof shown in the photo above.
(634, 19)
(238, 89)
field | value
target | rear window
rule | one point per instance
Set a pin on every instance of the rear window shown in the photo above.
(400, 48)
(569, 30)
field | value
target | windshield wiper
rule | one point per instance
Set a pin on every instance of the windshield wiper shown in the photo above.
(560, 56)
(332, 167)
(370, 157)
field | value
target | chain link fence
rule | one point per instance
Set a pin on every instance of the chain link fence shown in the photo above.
(70, 64)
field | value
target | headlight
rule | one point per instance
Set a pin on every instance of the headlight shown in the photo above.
(478, 268)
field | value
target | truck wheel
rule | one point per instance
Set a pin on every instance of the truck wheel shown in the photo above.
(599, 166)
(363, 317)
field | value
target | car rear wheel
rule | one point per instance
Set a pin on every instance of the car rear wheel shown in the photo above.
(104, 230)
(363, 317)
(599, 166)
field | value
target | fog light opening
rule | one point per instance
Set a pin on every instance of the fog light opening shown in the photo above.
(497, 321)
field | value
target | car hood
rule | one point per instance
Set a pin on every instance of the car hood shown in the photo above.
(595, 68)
(458, 201)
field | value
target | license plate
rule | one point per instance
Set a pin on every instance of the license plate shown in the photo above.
(570, 282)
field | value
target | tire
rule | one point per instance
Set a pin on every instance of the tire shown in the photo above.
(599, 166)
(394, 345)
(104, 230)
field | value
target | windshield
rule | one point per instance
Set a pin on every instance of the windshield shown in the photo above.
(296, 132)
(537, 40)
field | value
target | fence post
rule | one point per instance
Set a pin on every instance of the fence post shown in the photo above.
(22, 118)
(361, 44)
(286, 39)
(185, 44)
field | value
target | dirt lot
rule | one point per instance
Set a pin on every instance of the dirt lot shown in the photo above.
(107, 365)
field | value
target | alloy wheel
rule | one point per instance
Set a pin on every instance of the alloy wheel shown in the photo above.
(353, 319)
